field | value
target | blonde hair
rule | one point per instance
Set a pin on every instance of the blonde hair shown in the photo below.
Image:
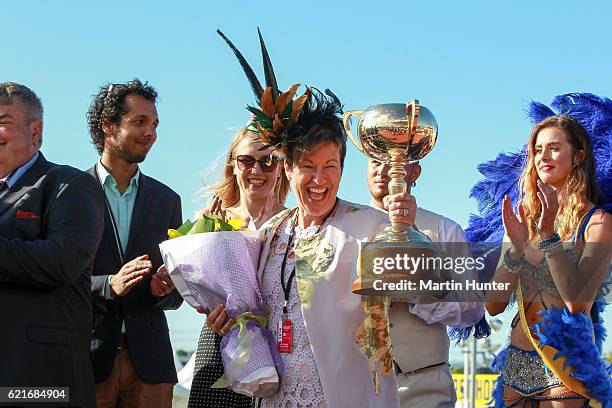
(580, 188)
(227, 189)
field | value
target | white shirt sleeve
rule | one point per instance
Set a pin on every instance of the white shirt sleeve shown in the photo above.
(106, 291)
(460, 308)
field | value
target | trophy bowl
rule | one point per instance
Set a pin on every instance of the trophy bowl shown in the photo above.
(381, 128)
(397, 134)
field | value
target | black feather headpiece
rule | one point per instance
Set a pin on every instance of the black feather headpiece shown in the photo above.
(277, 112)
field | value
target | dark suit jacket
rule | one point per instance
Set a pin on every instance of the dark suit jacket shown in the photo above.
(156, 209)
(51, 222)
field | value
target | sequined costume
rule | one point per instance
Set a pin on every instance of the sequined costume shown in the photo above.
(523, 371)
(561, 336)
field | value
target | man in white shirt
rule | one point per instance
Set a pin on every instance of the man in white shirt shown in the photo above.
(418, 331)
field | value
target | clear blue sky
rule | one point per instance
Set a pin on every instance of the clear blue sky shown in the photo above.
(475, 64)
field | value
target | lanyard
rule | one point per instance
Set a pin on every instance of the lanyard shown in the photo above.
(287, 288)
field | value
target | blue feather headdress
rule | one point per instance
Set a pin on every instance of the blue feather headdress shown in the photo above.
(501, 177)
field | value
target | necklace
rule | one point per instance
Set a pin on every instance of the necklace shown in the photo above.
(287, 287)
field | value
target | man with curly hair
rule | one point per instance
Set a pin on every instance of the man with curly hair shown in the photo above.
(51, 221)
(131, 351)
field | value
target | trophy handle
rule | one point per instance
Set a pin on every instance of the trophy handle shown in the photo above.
(412, 111)
(346, 120)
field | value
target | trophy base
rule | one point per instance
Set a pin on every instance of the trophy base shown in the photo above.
(396, 288)
(404, 233)
(399, 263)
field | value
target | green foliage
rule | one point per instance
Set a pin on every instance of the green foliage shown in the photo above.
(203, 225)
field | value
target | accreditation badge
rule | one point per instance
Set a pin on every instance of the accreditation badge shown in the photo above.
(284, 336)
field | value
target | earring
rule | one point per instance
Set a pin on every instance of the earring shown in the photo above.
(414, 184)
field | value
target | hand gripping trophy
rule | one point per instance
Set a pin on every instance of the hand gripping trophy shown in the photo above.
(397, 134)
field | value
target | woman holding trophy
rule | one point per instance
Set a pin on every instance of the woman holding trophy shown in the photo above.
(309, 257)
(306, 271)
(253, 188)
(557, 262)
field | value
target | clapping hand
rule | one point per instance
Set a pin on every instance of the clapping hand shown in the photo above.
(550, 206)
(515, 226)
(129, 275)
(161, 284)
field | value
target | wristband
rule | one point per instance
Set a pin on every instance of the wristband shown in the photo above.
(554, 239)
(513, 266)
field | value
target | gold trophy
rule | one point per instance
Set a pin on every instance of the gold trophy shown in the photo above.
(396, 134)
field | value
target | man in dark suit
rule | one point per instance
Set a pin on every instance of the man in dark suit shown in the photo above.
(51, 221)
(131, 350)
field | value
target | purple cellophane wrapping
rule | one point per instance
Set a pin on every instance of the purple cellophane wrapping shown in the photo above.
(221, 267)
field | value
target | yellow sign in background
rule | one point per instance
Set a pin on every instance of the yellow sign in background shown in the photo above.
(484, 387)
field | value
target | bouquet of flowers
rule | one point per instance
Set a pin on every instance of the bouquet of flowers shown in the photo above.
(212, 262)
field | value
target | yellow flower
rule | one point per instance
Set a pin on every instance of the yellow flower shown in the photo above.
(236, 223)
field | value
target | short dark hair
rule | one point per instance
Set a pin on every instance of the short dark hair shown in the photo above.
(11, 90)
(320, 121)
(108, 106)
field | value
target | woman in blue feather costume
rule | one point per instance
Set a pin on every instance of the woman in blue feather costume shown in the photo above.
(555, 257)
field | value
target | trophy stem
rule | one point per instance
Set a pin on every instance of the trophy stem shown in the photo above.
(397, 172)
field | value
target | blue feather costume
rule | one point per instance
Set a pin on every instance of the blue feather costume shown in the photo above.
(569, 333)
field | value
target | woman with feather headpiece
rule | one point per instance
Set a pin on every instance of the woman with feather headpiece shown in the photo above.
(558, 248)
(309, 259)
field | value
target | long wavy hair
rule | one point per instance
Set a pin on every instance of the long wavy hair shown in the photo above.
(580, 188)
(227, 189)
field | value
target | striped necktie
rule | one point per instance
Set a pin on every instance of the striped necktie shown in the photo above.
(3, 187)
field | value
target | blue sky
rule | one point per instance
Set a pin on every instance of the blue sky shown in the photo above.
(475, 64)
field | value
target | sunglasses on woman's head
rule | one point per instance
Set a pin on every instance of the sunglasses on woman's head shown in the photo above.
(246, 162)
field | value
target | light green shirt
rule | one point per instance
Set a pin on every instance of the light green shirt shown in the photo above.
(121, 205)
